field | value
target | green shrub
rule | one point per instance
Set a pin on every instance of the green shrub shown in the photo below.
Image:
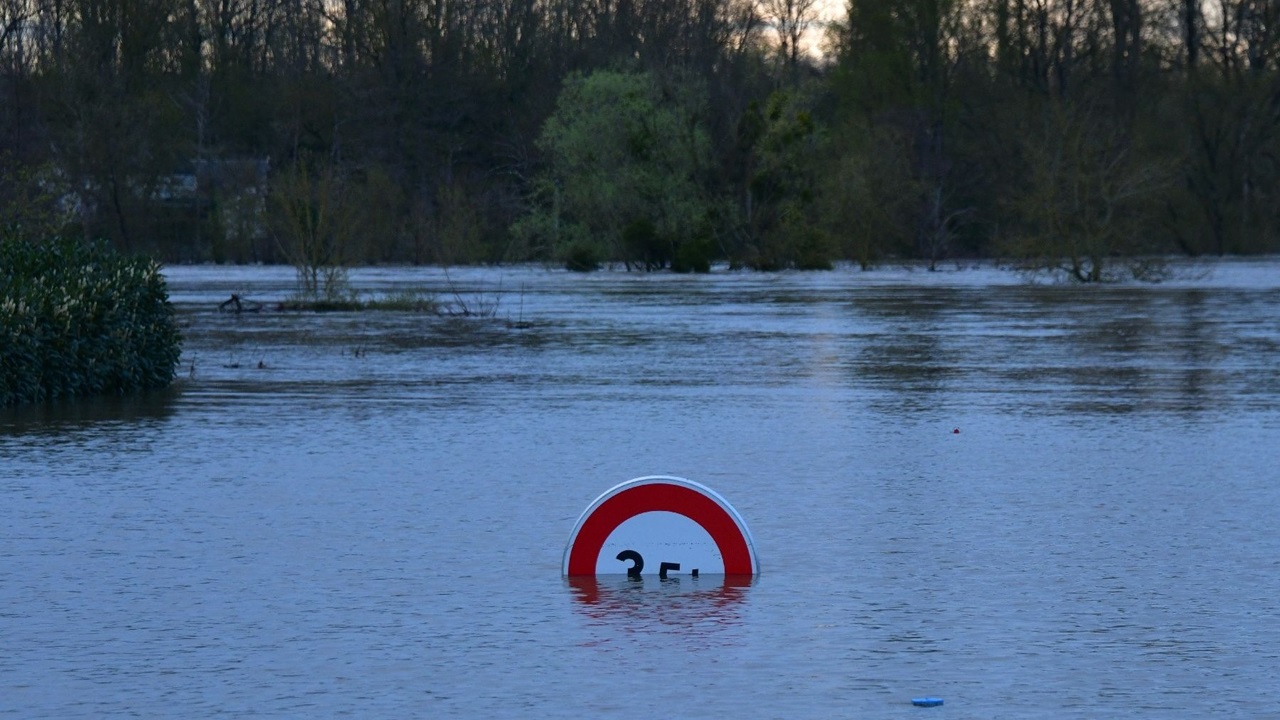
(79, 320)
(694, 255)
(582, 257)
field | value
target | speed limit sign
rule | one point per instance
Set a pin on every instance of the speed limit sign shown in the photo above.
(660, 525)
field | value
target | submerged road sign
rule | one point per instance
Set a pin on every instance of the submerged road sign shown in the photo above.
(660, 525)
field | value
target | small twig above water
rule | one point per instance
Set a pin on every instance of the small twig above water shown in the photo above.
(519, 323)
(236, 304)
(480, 306)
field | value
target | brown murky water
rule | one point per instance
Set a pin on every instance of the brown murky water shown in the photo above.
(364, 513)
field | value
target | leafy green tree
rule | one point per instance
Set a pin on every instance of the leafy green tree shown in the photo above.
(1090, 193)
(626, 157)
(779, 222)
(867, 197)
(895, 83)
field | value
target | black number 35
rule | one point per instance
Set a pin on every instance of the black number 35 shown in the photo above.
(637, 566)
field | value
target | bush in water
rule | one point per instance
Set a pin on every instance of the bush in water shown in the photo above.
(79, 320)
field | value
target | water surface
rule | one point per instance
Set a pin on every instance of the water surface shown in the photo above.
(364, 513)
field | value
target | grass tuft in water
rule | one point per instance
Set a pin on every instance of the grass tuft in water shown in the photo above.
(403, 301)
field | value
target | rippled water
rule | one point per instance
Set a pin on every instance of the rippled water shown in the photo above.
(364, 514)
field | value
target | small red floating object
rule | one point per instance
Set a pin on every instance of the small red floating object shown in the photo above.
(956, 431)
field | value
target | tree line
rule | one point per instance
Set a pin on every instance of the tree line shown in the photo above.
(656, 133)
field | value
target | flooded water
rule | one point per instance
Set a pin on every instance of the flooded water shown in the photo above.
(364, 514)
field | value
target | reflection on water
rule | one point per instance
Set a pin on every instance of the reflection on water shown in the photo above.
(87, 415)
(698, 605)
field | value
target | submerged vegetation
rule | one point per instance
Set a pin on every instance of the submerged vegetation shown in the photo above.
(81, 320)
(350, 301)
(475, 304)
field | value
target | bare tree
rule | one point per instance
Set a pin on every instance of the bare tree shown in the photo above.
(792, 19)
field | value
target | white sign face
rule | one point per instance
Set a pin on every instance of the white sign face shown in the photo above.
(660, 538)
(660, 525)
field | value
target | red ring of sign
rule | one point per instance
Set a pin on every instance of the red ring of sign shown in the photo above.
(653, 497)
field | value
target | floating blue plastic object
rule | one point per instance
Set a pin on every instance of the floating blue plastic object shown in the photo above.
(926, 702)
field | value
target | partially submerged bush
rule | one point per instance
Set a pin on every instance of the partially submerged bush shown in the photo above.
(79, 320)
(694, 255)
(582, 257)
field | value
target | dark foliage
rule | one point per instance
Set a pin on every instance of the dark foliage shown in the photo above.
(80, 320)
(1058, 134)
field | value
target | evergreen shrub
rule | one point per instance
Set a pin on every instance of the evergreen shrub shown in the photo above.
(78, 320)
